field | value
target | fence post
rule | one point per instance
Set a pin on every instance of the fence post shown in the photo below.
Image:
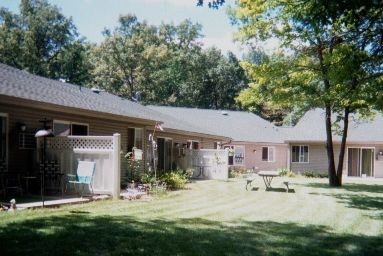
(116, 165)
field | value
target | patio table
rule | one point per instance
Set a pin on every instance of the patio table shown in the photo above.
(267, 177)
(201, 169)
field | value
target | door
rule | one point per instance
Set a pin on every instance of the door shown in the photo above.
(3, 139)
(367, 159)
(361, 162)
(164, 149)
(353, 162)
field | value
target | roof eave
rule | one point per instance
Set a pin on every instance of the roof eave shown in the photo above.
(16, 101)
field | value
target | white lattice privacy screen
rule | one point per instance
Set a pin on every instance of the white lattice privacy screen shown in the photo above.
(208, 163)
(99, 149)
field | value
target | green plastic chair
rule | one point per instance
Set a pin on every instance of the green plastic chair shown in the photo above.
(83, 177)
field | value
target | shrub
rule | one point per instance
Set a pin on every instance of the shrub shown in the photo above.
(286, 172)
(314, 174)
(235, 172)
(146, 178)
(174, 180)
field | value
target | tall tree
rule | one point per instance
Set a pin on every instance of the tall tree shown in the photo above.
(38, 39)
(223, 79)
(166, 65)
(123, 61)
(331, 57)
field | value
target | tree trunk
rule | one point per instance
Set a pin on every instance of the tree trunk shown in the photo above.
(330, 149)
(342, 152)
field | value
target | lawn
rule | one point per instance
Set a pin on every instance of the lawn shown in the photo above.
(209, 218)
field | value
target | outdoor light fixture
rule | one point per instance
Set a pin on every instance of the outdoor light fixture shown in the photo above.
(43, 133)
(23, 127)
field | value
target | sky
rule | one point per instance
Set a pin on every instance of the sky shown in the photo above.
(92, 16)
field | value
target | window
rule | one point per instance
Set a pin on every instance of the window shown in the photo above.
(191, 144)
(239, 155)
(65, 128)
(3, 137)
(61, 128)
(300, 154)
(236, 155)
(268, 154)
(79, 129)
(135, 137)
(217, 145)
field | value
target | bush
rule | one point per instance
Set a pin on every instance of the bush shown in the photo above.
(286, 172)
(174, 180)
(314, 174)
(146, 178)
(237, 172)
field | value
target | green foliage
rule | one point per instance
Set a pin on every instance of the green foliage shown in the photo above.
(330, 56)
(236, 172)
(286, 172)
(43, 41)
(175, 179)
(166, 65)
(314, 174)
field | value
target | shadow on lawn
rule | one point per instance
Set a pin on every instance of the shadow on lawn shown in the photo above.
(81, 234)
(363, 202)
(352, 187)
(354, 196)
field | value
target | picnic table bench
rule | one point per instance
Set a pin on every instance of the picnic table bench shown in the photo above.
(268, 176)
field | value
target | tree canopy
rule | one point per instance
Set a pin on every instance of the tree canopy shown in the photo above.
(42, 41)
(166, 65)
(163, 64)
(330, 57)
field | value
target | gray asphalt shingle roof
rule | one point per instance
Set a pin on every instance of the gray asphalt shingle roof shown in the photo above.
(238, 125)
(21, 84)
(312, 127)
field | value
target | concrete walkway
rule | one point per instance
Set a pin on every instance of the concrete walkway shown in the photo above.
(59, 202)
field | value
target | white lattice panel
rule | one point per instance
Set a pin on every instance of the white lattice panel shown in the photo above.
(81, 143)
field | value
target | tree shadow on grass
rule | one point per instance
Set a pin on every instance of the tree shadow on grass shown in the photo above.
(355, 196)
(81, 234)
(351, 187)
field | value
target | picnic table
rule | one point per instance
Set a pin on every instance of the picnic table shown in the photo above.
(267, 177)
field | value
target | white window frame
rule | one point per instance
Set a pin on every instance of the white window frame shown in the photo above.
(191, 143)
(77, 123)
(360, 169)
(243, 157)
(135, 136)
(269, 148)
(70, 125)
(301, 154)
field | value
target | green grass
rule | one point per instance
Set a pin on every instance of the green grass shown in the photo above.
(209, 218)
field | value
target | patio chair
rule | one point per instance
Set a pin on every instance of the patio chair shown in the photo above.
(83, 177)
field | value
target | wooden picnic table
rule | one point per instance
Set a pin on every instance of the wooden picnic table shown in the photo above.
(267, 177)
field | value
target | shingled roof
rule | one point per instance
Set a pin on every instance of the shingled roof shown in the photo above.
(238, 125)
(21, 84)
(311, 128)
